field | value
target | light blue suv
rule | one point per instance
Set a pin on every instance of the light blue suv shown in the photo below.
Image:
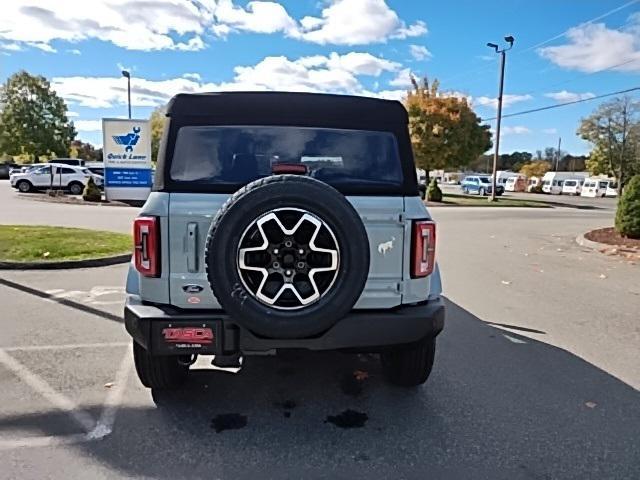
(283, 221)
(480, 185)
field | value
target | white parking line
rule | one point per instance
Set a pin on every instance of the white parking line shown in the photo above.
(114, 398)
(69, 346)
(43, 388)
(49, 441)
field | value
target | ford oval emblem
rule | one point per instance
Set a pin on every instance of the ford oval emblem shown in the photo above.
(192, 288)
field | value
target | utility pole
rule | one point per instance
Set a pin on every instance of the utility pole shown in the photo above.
(558, 157)
(127, 75)
(503, 57)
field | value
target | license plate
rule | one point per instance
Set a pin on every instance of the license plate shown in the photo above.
(185, 338)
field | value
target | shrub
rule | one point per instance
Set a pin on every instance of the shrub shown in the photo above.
(91, 192)
(628, 213)
(434, 194)
(537, 188)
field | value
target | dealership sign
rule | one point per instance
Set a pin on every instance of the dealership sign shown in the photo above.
(127, 158)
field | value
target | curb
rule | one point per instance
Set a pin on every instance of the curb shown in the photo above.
(585, 242)
(69, 264)
(69, 201)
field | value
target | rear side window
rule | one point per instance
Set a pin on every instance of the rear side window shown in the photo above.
(236, 155)
(67, 171)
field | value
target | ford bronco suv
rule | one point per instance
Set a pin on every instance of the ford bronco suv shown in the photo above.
(283, 221)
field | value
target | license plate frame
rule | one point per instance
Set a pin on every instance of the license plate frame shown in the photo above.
(186, 337)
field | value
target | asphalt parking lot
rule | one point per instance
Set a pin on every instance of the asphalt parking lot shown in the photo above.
(536, 375)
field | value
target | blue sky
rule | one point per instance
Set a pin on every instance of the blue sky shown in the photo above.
(564, 50)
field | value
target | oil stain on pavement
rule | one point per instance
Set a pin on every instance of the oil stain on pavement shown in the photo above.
(228, 421)
(348, 419)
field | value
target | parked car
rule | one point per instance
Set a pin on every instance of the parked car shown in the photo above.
(6, 168)
(598, 187)
(533, 184)
(255, 248)
(76, 162)
(54, 176)
(572, 186)
(479, 184)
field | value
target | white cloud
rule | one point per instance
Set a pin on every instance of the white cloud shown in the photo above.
(416, 30)
(402, 79)
(355, 22)
(419, 52)
(125, 23)
(333, 73)
(182, 24)
(45, 47)
(74, 51)
(565, 96)
(258, 16)
(72, 114)
(594, 47)
(12, 46)
(550, 131)
(515, 130)
(507, 100)
(360, 63)
(88, 125)
(192, 76)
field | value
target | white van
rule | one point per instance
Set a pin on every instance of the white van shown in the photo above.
(552, 182)
(516, 184)
(503, 175)
(572, 186)
(599, 187)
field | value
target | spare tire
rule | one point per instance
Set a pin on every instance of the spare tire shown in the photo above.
(287, 256)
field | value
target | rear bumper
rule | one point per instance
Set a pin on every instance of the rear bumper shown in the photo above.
(372, 330)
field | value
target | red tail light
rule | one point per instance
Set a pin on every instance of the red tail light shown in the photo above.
(423, 248)
(146, 238)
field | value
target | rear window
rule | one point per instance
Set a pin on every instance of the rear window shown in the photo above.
(236, 155)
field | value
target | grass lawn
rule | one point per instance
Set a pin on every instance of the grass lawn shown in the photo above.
(478, 201)
(22, 243)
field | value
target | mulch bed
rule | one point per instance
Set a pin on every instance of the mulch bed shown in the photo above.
(611, 237)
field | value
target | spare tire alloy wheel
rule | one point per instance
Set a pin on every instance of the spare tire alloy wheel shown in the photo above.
(287, 256)
(289, 269)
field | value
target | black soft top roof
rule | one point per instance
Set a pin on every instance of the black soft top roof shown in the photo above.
(289, 108)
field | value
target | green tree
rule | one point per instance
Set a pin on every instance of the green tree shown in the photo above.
(445, 131)
(614, 131)
(33, 118)
(157, 120)
(628, 212)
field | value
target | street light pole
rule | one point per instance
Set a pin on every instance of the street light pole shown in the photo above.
(503, 58)
(126, 74)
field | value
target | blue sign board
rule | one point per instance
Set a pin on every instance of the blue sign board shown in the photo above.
(127, 177)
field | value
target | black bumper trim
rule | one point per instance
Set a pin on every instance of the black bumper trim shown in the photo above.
(359, 329)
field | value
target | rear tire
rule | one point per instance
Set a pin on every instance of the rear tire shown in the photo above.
(410, 365)
(158, 372)
(24, 186)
